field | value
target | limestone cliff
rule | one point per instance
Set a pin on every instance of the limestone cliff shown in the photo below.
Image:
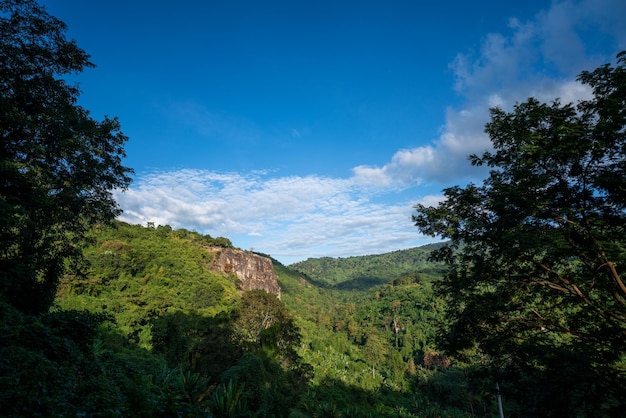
(254, 271)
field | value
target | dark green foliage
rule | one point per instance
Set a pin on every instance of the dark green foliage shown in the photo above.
(202, 344)
(68, 363)
(227, 402)
(272, 371)
(218, 242)
(537, 252)
(249, 373)
(262, 320)
(58, 166)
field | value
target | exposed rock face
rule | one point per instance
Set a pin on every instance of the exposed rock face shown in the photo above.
(254, 271)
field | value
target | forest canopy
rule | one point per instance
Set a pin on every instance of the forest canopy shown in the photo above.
(537, 252)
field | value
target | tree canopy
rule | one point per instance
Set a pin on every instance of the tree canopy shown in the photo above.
(537, 252)
(58, 166)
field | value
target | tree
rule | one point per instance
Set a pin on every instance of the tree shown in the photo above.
(58, 166)
(537, 252)
(262, 320)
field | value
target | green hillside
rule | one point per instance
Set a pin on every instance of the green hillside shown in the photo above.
(368, 271)
(145, 328)
(158, 333)
(137, 273)
(376, 344)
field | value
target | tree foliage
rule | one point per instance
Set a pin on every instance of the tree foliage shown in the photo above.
(58, 166)
(537, 252)
(140, 274)
(69, 363)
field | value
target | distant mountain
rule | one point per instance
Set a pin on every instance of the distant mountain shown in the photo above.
(364, 272)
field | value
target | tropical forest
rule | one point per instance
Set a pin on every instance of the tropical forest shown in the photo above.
(517, 308)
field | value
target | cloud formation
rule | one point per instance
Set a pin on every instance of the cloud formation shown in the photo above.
(539, 58)
(291, 218)
(296, 217)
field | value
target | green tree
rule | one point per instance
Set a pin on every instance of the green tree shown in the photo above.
(58, 166)
(537, 252)
(262, 322)
(375, 348)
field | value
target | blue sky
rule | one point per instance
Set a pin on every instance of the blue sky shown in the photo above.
(311, 128)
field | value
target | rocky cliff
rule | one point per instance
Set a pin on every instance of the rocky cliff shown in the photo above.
(254, 271)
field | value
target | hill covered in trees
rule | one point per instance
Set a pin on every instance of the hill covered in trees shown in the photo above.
(369, 271)
(146, 327)
(149, 328)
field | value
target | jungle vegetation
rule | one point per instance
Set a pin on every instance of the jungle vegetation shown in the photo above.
(102, 318)
(150, 329)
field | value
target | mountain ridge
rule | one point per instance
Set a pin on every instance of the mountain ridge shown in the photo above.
(364, 272)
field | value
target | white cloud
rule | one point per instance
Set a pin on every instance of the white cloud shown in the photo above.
(539, 58)
(291, 218)
(431, 200)
(560, 28)
(442, 162)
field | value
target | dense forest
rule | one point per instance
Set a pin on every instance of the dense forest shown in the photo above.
(518, 310)
(149, 329)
